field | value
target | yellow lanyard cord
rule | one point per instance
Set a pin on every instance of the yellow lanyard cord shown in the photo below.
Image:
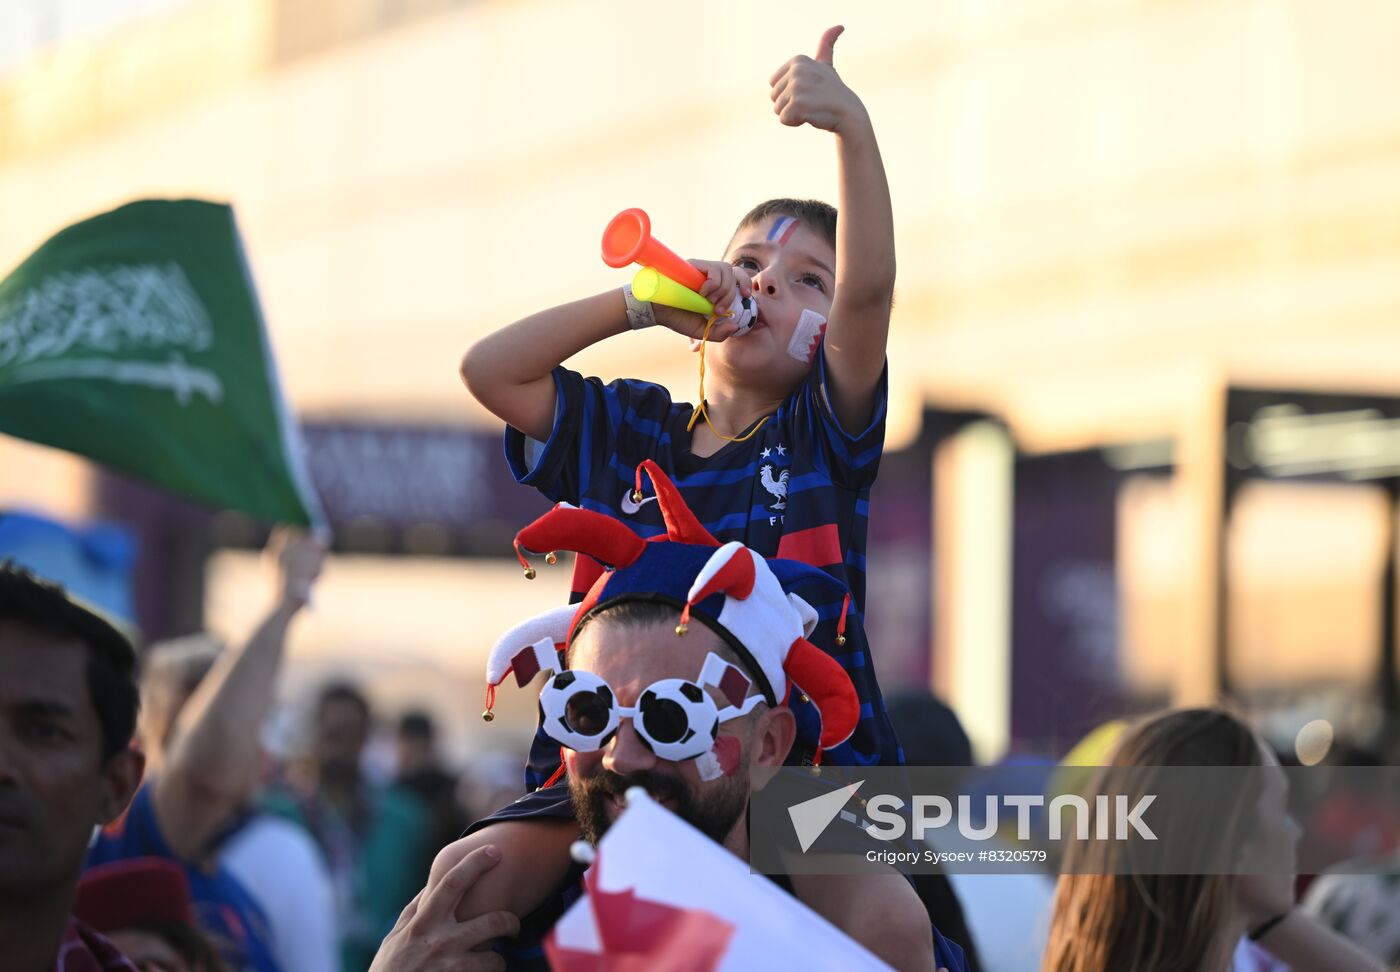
(701, 410)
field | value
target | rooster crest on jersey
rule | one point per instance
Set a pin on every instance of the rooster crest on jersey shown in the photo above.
(778, 487)
(742, 596)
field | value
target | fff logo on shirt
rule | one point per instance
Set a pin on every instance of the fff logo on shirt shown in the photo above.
(774, 481)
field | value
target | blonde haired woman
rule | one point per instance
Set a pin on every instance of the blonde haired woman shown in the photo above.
(1105, 921)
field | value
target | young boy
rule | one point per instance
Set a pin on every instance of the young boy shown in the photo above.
(782, 457)
(787, 448)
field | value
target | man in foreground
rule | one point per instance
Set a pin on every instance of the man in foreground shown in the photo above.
(68, 704)
(673, 675)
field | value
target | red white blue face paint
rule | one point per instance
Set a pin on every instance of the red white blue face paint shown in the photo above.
(807, 336)
(782, 229)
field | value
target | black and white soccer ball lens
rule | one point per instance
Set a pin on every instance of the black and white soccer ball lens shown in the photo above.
(673, 712)
(577, 709)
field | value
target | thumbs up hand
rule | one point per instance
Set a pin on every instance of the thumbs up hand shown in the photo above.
(808, 91)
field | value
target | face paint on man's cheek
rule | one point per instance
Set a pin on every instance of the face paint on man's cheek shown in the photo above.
(807, 336)
(721, 760)
(707, 767)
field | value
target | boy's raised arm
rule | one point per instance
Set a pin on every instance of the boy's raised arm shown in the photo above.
(809, 91)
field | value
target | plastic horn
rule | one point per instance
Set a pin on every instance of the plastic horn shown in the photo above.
(628, 239)
(651, 285)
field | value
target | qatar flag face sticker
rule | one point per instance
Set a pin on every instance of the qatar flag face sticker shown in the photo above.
(807, 336)
(722, 760)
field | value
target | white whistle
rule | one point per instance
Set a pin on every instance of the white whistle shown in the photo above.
(744, 307)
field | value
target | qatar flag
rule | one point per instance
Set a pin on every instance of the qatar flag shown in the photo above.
(662, 895)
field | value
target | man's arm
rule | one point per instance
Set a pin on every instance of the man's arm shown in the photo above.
(212, 766)
(534, 862)
(809, 91)
(508, 371)
(430, 938)
(880, 911)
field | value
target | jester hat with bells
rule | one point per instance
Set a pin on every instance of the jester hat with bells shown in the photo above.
(734, 591)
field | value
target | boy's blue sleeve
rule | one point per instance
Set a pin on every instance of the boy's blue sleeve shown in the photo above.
(595, 427)
(547, 803)
(853, 458)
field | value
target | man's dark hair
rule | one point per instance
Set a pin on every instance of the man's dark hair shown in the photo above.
(111, 660)
(635, 613)
(343, 692)
(820, 216)
(639, 613)
(417, 724)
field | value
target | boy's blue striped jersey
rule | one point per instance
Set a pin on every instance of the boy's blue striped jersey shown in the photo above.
(798, 489)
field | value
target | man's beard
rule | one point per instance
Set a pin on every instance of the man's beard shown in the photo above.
(713, 812)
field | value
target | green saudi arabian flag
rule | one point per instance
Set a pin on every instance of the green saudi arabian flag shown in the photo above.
(135, 338)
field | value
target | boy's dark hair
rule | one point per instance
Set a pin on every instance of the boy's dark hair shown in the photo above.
(111, 660)
(820, 216)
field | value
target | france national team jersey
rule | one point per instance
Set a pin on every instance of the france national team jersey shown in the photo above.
(223, 909)
(798, 489)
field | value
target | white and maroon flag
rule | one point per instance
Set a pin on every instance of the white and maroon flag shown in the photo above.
(662, 895)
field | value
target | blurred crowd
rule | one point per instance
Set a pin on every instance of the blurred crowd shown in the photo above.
(213, 856)
(225, 858)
